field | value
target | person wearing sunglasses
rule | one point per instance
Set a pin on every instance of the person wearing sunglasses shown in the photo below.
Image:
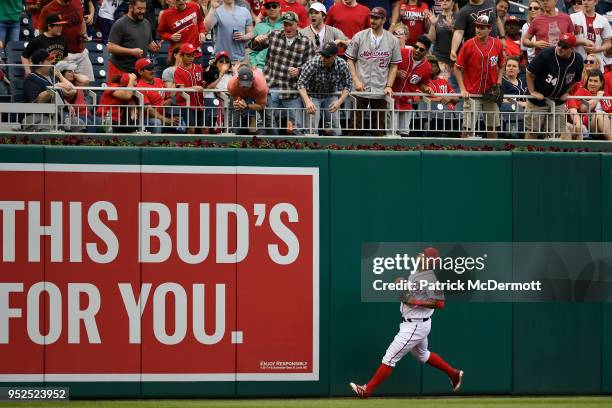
(534, 11)
(271, 22)
(591, 61)
(546, 29)
(320, 33)
(479, 67)
(551, 75)
(216, 76)
(594, 27)
(591, 116)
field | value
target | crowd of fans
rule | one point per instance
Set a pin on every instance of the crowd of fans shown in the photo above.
(307, 56)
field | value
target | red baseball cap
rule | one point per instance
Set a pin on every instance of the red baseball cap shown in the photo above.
(222, 54)
(568, 39)
(512, 20)
(378, 12)
(187, 49)
(431, 252)
(143, 63)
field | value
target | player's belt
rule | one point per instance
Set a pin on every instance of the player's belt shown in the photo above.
(415, 320)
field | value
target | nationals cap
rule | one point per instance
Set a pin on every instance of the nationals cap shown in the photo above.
(144, 63)
(187, 49)
(245, 76)
(512, 20)
(378, 12)
(568, 39)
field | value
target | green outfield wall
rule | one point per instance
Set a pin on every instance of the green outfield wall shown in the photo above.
(430, 196)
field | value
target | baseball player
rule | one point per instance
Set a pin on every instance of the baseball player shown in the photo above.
(416, 308)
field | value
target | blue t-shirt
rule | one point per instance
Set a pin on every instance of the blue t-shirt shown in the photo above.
(226, 23)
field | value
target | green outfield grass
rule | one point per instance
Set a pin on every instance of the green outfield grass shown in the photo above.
(457, 402)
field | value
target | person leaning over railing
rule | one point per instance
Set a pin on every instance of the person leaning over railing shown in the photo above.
(551, 75)
(320, 78)
(118, 108)
(596, 113)
(445, 122)
(156, 101)
(248, 92)
(480, 67)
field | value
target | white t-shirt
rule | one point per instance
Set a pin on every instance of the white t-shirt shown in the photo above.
(108, 7)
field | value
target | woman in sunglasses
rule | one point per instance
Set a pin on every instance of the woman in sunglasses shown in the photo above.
(592, 61)
(535, 9)
(591, 116)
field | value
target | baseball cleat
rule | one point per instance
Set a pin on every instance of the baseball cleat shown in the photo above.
(455, 380)
(360, 390)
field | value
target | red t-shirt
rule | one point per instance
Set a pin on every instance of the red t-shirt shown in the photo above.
(606, 105)
(441, 85)
(108, 102)
(513, 49)
(296, 7)
(413, 17)
(188, 22)
(349, 20)
(608, 80)
(578, 85)
(550, 28)
(417, 72)
(36, 14)
(186, 78)
(73, 13)
(480, 63)
(258, 91)
(153, 98)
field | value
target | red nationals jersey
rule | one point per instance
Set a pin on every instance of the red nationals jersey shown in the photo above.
(189, 23)
(417, 72)
(187, 78)
(608, 80)
(441, 85)
(413, 17)
(480, 63)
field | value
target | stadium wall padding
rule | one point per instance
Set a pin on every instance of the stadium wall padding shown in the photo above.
(366, 196)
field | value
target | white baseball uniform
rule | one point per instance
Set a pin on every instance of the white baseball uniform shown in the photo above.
(416, 324)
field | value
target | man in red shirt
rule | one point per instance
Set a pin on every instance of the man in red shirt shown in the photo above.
(479, 66)
(412, 76)
(155, 100)
(119, 105)
(349, 17)
(190, 76)
(182, 24)
(513, 37)
(75, 32)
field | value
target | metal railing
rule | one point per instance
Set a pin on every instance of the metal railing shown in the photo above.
(429, 117)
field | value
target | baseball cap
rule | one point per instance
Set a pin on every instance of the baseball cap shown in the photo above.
(245, 76)
(65, 66)
(222, 54)
(320, 7)
(271, 2)
(290, 17)
(379, 12)
(431, 252)
(39, 56)
(55, 19)
(144, 63)
(512, 20)
(187, 49)
(328, 49)
(482, 21)
(568, 39)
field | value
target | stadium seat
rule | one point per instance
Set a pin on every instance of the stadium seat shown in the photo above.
(17, 90)
(14, 49)
(95, 47)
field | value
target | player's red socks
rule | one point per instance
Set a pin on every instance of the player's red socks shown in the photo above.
(381, 375)
(436, 361)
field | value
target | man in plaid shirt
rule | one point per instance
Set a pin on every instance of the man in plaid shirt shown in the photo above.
(322, 76)
(288, 51)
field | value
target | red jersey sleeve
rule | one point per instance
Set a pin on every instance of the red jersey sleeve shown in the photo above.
(462, 55)
(163, 29)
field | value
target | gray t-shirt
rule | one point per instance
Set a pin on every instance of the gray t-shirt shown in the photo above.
(373, 58)
(168, 74)
(225, 23)
(468, 14)
(129, 34)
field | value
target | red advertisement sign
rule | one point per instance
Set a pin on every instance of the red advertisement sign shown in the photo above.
(158, 273)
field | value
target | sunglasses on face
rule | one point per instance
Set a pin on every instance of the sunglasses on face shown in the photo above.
(589, 62)
(224, 61)
(421, 49)
(271, 6)
(565, 47)
(399, 33)
(534, 8)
